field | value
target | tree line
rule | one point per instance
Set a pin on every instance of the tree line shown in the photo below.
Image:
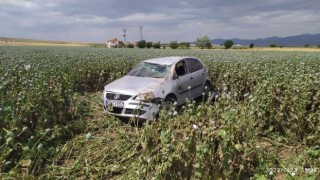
(201, 42)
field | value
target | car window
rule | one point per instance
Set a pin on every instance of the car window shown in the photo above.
(193, 65)
(153, 70)
(181, 68)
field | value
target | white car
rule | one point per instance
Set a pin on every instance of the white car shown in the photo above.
(154, 82)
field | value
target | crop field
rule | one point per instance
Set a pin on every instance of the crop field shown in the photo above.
(265, 124)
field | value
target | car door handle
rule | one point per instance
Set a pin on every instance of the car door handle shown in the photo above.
(191, 77)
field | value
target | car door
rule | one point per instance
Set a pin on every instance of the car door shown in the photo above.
(197, 76)
(182, 82)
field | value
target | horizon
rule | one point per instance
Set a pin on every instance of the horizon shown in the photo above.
(98, 21)
(160, 41)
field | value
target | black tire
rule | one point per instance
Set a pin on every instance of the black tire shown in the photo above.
(207, 89)
(169, 103)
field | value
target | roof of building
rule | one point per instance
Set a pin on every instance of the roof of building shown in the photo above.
(113, 40)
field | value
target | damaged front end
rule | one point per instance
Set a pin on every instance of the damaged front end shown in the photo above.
(145, 85)
(150, 97)
(142, 106)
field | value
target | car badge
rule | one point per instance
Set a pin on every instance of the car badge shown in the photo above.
(116, 96)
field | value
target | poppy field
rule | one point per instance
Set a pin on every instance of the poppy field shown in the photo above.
(264, 124)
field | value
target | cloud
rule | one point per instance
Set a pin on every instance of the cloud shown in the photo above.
(97, 20)
(20, 4)
(141, 17)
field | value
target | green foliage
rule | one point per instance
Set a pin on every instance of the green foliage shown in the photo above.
(306, 45)
(204, 42)
(130, 45)
(228, 44)
(149, 45)
(184, 45)
(39, 97)
(273, 45)
(266, 115)
(121, 45)
(251, 45)
(142, 44)
(174, 44)
(156, 45)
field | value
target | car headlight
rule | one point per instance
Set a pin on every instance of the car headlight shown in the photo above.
(145, 97)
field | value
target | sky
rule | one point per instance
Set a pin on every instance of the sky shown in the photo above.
(162, 20)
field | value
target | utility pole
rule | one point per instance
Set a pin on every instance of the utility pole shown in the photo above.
(124, 36)
(140, 32)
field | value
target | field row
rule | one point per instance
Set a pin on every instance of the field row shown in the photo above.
(266, 96)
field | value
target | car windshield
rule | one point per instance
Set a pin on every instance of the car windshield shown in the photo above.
(145, 69)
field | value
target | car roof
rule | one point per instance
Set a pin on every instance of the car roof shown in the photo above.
(166, 60)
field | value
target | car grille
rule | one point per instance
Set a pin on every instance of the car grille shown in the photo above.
(122, 97)
(116, 110)
(134, 111)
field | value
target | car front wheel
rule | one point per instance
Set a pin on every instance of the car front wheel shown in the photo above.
(169, 103)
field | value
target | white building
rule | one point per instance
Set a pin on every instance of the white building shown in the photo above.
(113, 43)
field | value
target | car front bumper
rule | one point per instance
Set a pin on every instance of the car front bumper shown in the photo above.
(130, 108)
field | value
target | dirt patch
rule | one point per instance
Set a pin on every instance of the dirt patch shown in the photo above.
(41, 44)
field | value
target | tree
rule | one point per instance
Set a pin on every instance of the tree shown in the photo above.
(174, 44)
(306, 45)
(141, 44)
(273, 45)
(184, 45)
(228, 44)
(130, 45)
(251, 45)
(156, 45)
(121, 44)
(149, 44)
(204, 42)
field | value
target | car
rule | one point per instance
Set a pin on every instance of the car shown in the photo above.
(154, 84)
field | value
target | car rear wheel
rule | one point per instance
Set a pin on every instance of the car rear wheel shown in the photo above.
(209, 93)
(207, 90)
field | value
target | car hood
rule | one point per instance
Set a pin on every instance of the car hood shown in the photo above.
(133, 85)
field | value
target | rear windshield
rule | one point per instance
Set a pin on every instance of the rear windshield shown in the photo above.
(145, 69)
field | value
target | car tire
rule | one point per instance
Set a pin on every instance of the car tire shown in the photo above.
(212, 98)
(207, 89)
(169, 104)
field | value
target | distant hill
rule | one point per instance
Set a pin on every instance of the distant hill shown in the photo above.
(299, 40)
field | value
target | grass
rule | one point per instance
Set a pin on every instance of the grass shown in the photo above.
(264, 124)
(110, 151)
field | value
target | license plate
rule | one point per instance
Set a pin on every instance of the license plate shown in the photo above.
(116, 103)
